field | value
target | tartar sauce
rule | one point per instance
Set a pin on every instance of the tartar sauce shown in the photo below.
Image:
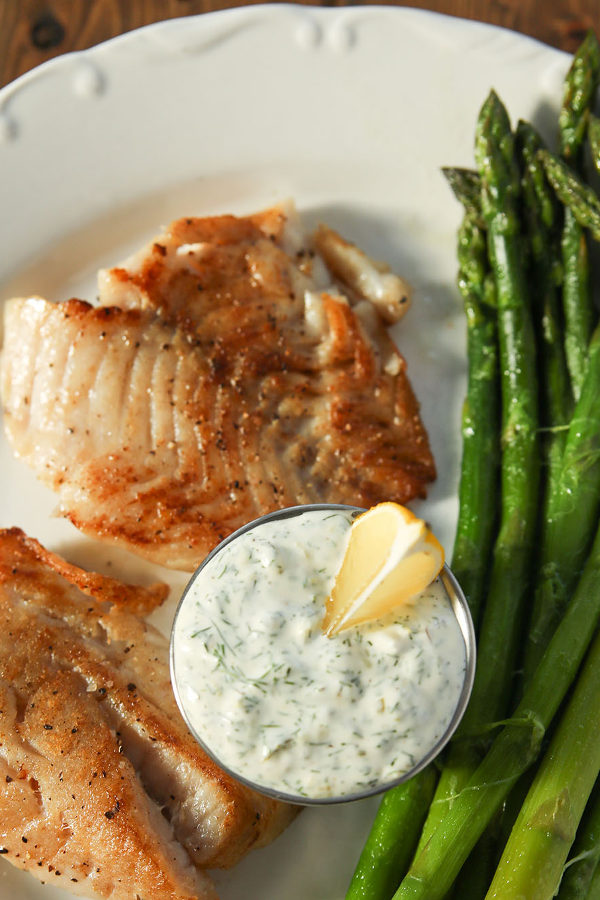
(288, 709)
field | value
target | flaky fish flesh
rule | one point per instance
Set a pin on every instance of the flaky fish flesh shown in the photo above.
(234, 366)
(103, 791)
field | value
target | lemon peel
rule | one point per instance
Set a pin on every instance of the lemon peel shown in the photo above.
(391, 557)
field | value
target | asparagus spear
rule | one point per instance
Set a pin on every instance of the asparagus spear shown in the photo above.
(540, 214)
(581, 84)
(541, 217)
(513, 550)
(516, 747)
(572, 514)
(572, 191)
(574, 495)
(395, 830)
(576, 298)
(466, 187)
(585, 852)
(594, 140)
(480, 420)
(392, 839)
(533, 859)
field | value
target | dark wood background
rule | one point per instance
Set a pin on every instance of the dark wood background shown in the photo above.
(32, 31)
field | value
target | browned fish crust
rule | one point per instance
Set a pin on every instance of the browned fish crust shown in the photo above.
(102, 789)
(222, 377)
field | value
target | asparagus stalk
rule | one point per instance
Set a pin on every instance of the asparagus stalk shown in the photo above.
(572, 514)
(576, 302)
(541, 218)
(434, 870)
(594, 140)
(513, 550)
(466, 187)
(578, 197)
(480, 420)
(585, 852)
(518, 743)
(393, 837)
(533, 859)
(581, 84)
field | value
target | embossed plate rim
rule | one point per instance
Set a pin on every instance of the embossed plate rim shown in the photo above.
(375, 99)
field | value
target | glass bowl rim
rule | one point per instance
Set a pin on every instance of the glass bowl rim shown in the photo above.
(461, 611)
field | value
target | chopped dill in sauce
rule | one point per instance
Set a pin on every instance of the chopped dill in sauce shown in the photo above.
(289, 709)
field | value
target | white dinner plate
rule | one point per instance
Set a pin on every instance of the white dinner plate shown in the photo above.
(351, 112)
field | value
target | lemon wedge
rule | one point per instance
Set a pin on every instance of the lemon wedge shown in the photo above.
(391, 557)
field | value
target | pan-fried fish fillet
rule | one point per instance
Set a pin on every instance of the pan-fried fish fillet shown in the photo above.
(102, 789)
(227, 372)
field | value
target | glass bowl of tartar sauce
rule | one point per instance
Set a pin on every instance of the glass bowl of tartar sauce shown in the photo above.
(294, 714)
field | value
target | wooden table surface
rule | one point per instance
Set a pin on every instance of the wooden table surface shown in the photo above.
(32, 31)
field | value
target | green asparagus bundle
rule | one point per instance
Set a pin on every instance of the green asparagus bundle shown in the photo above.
(519, 220)
(540, 242)
(452, 779)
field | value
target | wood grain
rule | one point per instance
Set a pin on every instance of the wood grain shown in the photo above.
(33, 31)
